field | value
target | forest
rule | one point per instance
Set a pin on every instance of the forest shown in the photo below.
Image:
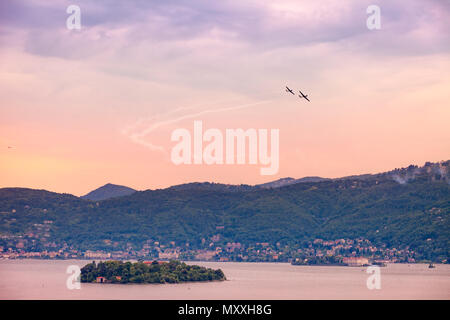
(403, 208)
(147, 272)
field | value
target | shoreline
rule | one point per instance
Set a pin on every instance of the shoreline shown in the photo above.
(230, 262)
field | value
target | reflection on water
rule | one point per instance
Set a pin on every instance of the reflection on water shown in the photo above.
(46, 279)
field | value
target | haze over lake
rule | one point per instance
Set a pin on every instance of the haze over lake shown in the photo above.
(46, 279)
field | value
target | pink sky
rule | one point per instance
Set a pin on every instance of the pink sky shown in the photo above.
(70, 101)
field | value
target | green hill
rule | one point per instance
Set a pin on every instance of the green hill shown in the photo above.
(108, 191)
(403, 208)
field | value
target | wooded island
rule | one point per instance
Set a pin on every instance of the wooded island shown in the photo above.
(147, 272)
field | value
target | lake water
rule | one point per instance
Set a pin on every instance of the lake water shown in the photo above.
(46, 279)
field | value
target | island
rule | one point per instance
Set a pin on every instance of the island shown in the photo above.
(331, 260)
(147, 272)
(320, 261)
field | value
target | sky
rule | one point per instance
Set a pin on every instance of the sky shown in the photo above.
(82, 108)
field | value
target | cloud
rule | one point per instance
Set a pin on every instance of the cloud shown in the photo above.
(250, 48)
(262, 26)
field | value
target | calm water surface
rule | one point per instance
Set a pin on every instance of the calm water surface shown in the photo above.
(46, 279)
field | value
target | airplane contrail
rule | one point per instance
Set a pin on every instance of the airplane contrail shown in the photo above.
(154, 117)
(137, 137)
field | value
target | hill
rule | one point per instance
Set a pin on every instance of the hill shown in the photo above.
(403, 209)
(289, 181)
(244, 187)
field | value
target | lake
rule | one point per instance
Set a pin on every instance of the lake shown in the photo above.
(46, 279)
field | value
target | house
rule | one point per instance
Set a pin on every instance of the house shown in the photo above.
(205, 255)
(101, 280)
(97, 255)
(169, 254)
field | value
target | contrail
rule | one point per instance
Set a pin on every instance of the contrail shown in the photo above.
(137, 137)
(136, 124)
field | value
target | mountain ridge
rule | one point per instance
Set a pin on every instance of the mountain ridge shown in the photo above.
(108, 191)
(403, 209)
(400, 175)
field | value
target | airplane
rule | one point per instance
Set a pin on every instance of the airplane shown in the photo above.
(289, 90)
(301, 95)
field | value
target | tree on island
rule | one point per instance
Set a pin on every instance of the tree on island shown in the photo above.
(147, 272)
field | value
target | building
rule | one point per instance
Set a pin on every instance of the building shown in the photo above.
(204, 255)
(159, 262)
(169, 254)
(97, 255)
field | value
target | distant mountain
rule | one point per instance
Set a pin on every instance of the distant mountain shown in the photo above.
(211, 186)
(288, 181)
(311, 179)
(277, 183)
(439, 171)
(401, 208)
(108, 191)
(244, 187)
